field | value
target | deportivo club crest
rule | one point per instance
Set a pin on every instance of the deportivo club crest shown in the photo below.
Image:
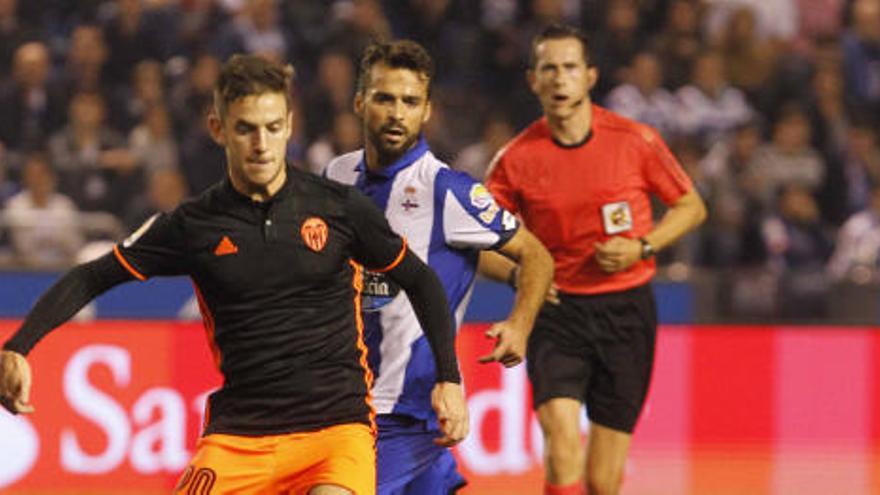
(409, 199)
(314, 233)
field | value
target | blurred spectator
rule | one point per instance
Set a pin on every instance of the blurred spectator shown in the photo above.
(96, 168)
(642, 97)
(202, 161)
(788, 159)
(732, 232)
(446, 28)
(147, 89)
(819, 19)
(345, 137)
(798, 248)
(256, 29)
(616, 44)
(330, 94)
(193, 93)
(7, 186)
(495, 14)
(679, 43)
(856, 256)
(748, 59)
(709, 106)
(355, 23)
(548, 11)
(688, 250)
(135, 33)
(43, 224)
(439, 132)
(86, 58)
(777, 20)
(31, 106)
(475, 158)
(861, 54)
(297, 145)
(861, 164)
(13, 32)
(152, 143)
(166, 188)
(829, 111)
(829, 108)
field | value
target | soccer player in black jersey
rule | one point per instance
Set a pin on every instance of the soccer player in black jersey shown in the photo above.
(275, 255)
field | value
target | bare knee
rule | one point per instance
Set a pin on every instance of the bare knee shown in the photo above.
(564, 455)
(604, 482)
(607, 459)
(561, 441)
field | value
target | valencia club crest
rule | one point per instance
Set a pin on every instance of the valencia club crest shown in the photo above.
(314, 233)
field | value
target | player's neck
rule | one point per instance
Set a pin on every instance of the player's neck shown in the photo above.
(259, 193)
(376, 161)
(574, 127)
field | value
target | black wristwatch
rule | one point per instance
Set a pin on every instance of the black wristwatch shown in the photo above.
(647, 248)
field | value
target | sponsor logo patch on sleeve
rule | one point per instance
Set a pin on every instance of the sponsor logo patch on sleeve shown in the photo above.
(482, 199)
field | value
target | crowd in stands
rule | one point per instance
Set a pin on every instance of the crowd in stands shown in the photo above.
(771, 105)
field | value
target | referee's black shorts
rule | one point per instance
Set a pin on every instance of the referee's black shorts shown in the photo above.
(597, 349)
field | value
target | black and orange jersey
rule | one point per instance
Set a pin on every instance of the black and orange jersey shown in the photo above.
(278, 293)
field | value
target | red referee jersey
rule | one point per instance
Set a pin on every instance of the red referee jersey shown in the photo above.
(572, 197)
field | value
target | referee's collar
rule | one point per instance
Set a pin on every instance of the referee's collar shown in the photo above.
(407, 159)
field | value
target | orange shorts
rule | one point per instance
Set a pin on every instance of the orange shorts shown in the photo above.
(291, 464)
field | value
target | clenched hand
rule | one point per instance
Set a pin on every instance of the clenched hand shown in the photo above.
(15, 383)
(448, 402)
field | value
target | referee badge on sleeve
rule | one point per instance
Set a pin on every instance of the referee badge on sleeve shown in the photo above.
(617, 217)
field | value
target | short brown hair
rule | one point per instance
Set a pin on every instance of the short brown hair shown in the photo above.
(399, 54)
(245, 75)
(558, 31)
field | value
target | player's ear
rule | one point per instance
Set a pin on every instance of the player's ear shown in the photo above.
(359, 104)
(215, 126)
(289, 123)
(427, 112)
(592, 77)
(532, 80)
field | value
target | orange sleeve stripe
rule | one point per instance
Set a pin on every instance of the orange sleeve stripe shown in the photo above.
(210, 327)
(396, 260)
(138, 275)
(357, 283)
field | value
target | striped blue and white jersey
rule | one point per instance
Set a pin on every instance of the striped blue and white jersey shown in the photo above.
(447, 218)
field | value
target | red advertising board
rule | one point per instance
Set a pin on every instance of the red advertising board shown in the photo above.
(732, 410)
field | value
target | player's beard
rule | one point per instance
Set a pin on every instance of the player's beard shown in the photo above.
(388, 154)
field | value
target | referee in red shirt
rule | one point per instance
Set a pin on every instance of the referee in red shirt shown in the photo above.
(581, 178)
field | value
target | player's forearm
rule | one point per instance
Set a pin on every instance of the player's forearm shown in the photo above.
(684, 216)
(495, 266)
(429, 302)
(68, 295)
(534, 279)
